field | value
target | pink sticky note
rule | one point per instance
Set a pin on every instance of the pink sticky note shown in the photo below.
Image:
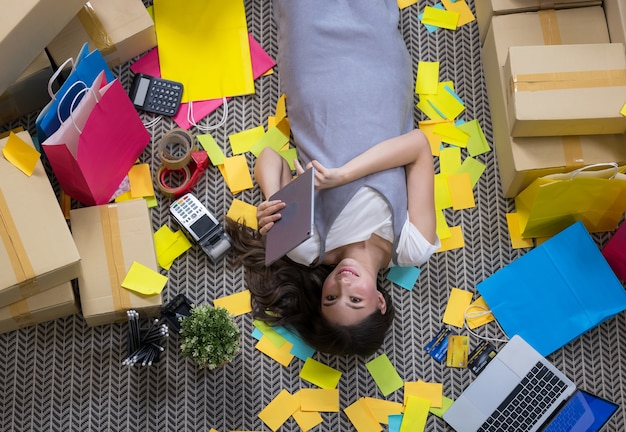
(149, 65)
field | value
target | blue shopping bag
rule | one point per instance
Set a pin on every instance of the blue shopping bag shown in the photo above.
(85, 69)
(555, 292)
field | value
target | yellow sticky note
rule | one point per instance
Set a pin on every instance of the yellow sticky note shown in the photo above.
(427, 108)
(443, 200)
(440, 18)
(450, 160)
(427, 77)
(243, 213)
(472, 167)
(241, 142)
(236, 173)
(208, 143)
(443, 229)
(281, 354)
(462, 8)
(140, 181)
(169, 246)
(307, 420)
(272, 335)
(455, 309)
(431, 391)
(320, 400)
(478, 313)
(461, 192)
(19, 153)
(384, 374)
(236, 304)
(144, 280)
(439, 412)
(279, 409)
(281, 108)
(477, 143)
(415, 414)
(623, 110)
(402, 4)
(455, 241)
(427, 127)
(320, 374)
(290, 155)
(450, 134)
(381, 409)
(273, 138)
(361, 417)
(447, 102)
(515, 232)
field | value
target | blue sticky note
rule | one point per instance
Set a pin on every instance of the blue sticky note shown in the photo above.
(395, 421)
(300, 349)
(404, 276)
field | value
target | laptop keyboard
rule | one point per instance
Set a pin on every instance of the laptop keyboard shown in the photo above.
(527, 402)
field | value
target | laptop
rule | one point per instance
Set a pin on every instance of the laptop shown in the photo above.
(296, 222)
(520, 390)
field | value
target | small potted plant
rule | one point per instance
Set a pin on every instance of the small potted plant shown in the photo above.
(209, 336)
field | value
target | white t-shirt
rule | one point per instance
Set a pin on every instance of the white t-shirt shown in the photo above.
(368, 213)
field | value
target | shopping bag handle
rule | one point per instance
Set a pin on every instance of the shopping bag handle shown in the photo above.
(95, 94)
(65, 94)
(56, 74)
(606, 165)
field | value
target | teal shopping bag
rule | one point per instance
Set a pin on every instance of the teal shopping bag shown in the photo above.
(555, 292)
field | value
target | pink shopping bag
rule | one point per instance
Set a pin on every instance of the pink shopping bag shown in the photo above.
(615, 252)
(95, 147)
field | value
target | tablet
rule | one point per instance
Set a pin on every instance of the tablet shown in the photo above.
(296, 222)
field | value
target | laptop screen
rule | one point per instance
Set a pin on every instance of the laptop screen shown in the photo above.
(583, 412)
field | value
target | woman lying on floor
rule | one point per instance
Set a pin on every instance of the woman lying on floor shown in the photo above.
(347, 75)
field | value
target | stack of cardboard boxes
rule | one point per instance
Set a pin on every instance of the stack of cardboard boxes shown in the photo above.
(556, 82)
(41, 258)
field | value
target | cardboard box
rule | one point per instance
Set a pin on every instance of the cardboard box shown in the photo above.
(120, 29)
(110, 238)
(521, 160)
(37, 251)
(29, 93)
(26, 27)
(556, 90)
(615, 11)
(57, 302)
(486, 9)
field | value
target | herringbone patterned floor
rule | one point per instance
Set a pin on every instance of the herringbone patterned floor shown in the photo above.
(65, 376)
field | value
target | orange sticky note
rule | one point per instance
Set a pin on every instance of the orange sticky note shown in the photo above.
(455, 309)
(455, 241)
(515, 232)
(140, 181)
(381, 409)
(19, 153)
(320, 400)
(281, 354)
(461, 7)
(461, 192)
(236, 173)
(361, 417)
(434, 140)
(431, 391)
(236, 304)
(279, 410)
(243, 213)
(307, 420)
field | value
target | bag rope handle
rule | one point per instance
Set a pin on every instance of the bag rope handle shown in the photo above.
(606, 164)
(56, 74)
(74, 101)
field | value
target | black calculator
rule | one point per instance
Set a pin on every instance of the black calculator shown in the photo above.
(156, 95)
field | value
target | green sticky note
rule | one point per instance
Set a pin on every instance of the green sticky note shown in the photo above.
(477, 143)
(472, 167)
(214, 151)
(384, 374)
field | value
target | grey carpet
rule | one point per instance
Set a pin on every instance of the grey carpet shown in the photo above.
(65, 376)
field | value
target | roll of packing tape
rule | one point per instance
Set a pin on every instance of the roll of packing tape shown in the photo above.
(175, 148)
(172, 191)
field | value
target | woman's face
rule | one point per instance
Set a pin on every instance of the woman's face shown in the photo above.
(349, 294)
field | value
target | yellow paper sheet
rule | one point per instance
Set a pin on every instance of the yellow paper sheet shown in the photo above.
(443, 229)
(208, 143)
(319, 400)
(281, 108)
(440, 18)
(273, 138)
(462, 8)
(384, 374)
(406, 3)
(237, 304)
(140, 181)
(450, 160)
(144, 280)
(447, 102)
(280, 354)
(361, 417)
(427, 77)
(478, 314)
(450, 134)
(461, 191)
(515, 232)
(477, 143)
(290, 155)
(241, 142)
(458, 302)
(425, 106)
(279, 410)
(205, 46)
(623, 110)
(434, 140)
(236, 173)
(431, 391)
(320, 374)
(439, 412)
(272, 335)
(415, 414)
(381, 409)
(243, 213)
(22, 155)
(169, 246)
(443, 200)
(455, 241)
(307, 420)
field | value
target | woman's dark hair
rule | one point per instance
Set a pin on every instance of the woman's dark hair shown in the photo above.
(288, 294)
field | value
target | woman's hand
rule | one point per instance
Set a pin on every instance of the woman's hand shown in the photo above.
(325, 178)
(267, 214)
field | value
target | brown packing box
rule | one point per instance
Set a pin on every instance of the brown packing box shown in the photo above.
(486, 9)
(26, 27)
(29, 93)
(556, 90)
(521, 160)
(615, 11)
(57, 302)
(120, 29)
(37, 251)
(110, 238)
